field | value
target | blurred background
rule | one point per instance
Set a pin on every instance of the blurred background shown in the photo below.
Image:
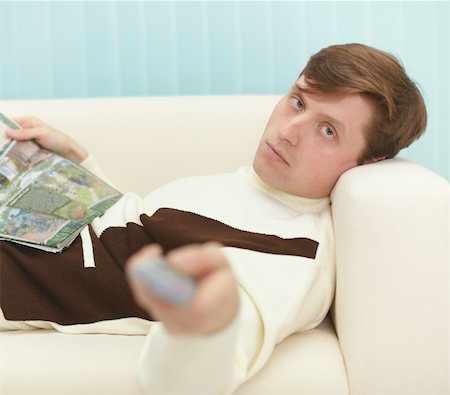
(125, 48)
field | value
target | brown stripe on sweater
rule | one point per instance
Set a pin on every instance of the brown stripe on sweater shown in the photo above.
(174, 228)
(37, 285)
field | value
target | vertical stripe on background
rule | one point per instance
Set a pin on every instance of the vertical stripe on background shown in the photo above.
(69, 66)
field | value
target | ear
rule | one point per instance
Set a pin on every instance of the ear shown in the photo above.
(373, 160)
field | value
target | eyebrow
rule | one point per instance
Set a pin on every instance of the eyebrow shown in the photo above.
(339, 124)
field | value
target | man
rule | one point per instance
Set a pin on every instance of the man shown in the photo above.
(259, 240)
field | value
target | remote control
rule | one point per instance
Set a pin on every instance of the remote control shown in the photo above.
(165, 281)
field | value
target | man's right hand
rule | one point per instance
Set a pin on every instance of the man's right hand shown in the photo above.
(48, 137)
(215, 302)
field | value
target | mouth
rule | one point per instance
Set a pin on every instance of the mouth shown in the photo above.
(275, 153)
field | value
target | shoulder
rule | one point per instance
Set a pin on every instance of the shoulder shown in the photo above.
(201, 181)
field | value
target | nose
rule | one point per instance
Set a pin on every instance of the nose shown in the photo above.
(293, 129)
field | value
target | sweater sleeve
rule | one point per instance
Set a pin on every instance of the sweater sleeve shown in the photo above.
(289, 293)
(92, 165)
(223, 357)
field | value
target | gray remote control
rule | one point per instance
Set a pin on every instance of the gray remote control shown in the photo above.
(165, 281)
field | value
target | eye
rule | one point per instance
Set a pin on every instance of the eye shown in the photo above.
(327, 131)
(297, 103)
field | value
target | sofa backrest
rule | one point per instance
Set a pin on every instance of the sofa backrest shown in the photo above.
(144, 142)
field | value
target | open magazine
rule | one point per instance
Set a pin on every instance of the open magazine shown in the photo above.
(45, 199)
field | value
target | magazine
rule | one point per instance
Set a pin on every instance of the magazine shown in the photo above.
(45, 199)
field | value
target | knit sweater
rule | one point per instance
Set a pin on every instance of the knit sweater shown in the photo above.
(280, 248)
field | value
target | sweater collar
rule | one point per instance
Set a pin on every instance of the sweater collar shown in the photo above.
(297, 203)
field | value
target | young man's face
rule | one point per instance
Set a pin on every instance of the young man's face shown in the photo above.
(310, 141)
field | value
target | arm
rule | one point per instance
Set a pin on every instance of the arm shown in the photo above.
(216, 362)
(204, 336)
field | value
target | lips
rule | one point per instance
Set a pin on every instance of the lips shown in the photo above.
(276, 153)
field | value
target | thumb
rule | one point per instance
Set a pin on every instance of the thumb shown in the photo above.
(148, 252)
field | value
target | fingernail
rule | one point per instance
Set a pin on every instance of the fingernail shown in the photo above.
(152, 249)
(213, 244)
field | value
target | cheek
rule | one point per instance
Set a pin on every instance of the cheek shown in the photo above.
(279, 113)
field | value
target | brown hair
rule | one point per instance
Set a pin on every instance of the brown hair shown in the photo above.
(400, 116)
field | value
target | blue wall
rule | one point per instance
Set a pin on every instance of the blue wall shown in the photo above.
(85, 49)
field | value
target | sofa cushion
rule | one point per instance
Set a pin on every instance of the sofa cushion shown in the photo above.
(52, 363)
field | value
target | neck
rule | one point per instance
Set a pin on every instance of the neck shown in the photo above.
(298, 203)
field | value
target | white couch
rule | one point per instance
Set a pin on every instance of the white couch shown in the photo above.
(389, 328)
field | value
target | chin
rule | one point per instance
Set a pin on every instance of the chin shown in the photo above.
(256, 165)
(268, 176)
(262, 170)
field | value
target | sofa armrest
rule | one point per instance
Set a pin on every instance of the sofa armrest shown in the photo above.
(391, 309)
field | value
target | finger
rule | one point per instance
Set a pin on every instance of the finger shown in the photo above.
(26, 134)
(216, 288)
(197, 260)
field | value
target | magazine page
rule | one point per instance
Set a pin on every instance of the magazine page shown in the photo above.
(5, 143)
(45, 199)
